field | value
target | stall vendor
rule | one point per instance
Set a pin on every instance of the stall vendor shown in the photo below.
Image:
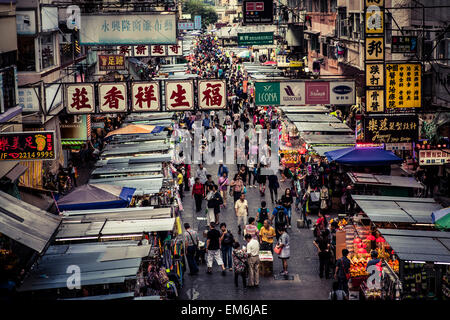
(374, 259)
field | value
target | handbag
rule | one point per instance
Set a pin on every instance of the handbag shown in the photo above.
(277, 250)
(195, 244)
(245, 190)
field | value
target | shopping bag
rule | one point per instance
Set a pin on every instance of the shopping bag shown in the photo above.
(277, 250)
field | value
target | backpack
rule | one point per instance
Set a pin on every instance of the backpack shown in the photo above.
(280, 217)
(263, 214)
(314, 200)
(228, 239)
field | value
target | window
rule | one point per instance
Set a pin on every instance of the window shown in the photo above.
(47, 51)
(324, 49)
(323, 6)
(65, 48)
(9, 88)
(26, 52)
(333, 5)
(315, 43)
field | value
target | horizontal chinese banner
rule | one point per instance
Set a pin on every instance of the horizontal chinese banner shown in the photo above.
(156, 50)
(391, 129)
(434, 157)
(33, 145)
(252, 39)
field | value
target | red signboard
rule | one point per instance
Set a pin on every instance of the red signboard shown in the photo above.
(317, 92)
(33, 145)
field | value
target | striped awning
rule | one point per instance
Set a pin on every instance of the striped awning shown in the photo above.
(72, 142)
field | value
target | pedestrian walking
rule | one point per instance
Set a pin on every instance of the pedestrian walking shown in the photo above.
(262, 180)
(223, 187)
(222, 169)
(342, 271)
(336, 293)
(180, 180)
(240, 264)
(322, 244)
(253, 261)
(274, 185)
(241, 210)
(283, 244)
(251, 228)
(202, 174)
(226, 242)
(279, 214)
(237, 187)
(262, 215)
(287, 201)
(198, 192)
(191, 245)
(266, 235)
(213, 249)
(214, 202)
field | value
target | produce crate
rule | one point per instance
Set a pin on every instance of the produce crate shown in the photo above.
(356, 281)
(265, 263)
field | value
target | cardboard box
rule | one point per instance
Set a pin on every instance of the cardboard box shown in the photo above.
(265, 264)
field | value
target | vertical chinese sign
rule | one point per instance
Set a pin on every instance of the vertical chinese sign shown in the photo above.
(145, 96)
(33, 145)
(374, 55)
(112, 97)
(212, 94)
(80, 98)
(403, 85)
(179, 95)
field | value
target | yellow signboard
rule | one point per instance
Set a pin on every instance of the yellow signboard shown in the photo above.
(374, 49)
(403, 85)
(295, 64)
(374, 74)
(374, 20)
(374, 100)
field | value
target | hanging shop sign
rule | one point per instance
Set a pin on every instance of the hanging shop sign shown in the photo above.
(391, 129)
(26, 22)
(212, 94)
(229, 42)
(109, 62)
(404, 82)
(141, 51)
(128, 29)
(29, 99)
(80, 98)
(258, 12)
(342, 92)
(158, 50)
(197, 22)
(434, 157)
(175, 49)
(374, 43)
(145, 96)
(267, 93)
(317, 92)
(179, 95)
(295, 64)
(282, 61)
(112, 97)
(33, 145)
(188, 25)
(292, 93)
(256, 38)
(74, 127)
(404, 44)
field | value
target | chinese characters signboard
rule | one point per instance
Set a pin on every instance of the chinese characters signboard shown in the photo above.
(186, 25)
(211, 94)
(434, 157)
(179, 95)
(158, 50)
(145, 96)
(391, 129)
(374, 42)
(29, 99)
(80, 98)
(197, 22)
(33, 145)
(251, 39)
(404, 44)
(258, 12)
(142, 28)
(112, 97)
(107, 62)
(403, 85)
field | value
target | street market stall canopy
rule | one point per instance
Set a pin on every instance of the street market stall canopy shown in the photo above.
(417, 245)
(363, 157)
(384, 209)
(136, 138)
(312, 117)
(336, 127)
(26, 224)
(124, 149)
(141, 145)
(375, 179)
(441, 218)
(99, 263)
(144, 185)
(136, 213)
(150, 158)
(132, 129)
(124, 169)
(96, 196)
(304, 109)
(328, 139)
(148, 116)
(103, 229)
(321, 150)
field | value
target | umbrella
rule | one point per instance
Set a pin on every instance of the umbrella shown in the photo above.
(244, 54)
(132, 129)
(269, 63)
(441, 218)
(96, 196)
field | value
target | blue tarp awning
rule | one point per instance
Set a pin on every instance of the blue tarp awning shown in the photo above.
(158, 129)
(363, 156)
(96, 196)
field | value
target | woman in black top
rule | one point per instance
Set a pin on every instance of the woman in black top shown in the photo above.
(287, 201)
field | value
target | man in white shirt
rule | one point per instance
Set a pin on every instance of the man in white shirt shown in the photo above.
(201, 174)
(253, 260)
(241, 209)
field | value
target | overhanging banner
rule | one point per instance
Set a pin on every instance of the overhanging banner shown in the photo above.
(143, 28)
